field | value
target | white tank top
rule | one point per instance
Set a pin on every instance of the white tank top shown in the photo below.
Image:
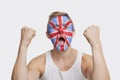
(52, 71)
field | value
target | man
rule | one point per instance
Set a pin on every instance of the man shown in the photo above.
(62, 62)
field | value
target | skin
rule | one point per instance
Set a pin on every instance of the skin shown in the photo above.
(93, 67)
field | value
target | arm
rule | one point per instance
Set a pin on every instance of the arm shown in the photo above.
(97, 71)
(20, 71)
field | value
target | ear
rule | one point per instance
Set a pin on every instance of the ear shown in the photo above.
(73, 33)
(47, 35)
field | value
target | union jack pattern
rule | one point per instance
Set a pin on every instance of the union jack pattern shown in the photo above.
(60, 25)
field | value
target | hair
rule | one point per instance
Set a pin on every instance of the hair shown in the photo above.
(58, 13)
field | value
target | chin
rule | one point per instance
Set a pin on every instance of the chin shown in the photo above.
(58, 50)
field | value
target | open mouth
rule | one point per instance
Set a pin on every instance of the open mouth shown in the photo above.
(61, 40)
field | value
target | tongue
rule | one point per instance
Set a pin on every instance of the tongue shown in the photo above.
(61, 41)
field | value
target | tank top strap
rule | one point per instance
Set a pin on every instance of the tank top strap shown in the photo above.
(49, 60)
(79, 57)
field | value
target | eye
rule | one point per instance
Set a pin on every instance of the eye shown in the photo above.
(64, 25)
(57, 25)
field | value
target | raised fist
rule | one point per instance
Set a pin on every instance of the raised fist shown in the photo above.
(92, 34)
(27, 34)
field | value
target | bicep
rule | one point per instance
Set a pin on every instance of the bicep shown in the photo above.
(33, 74)
(33, 71)
(89, 66)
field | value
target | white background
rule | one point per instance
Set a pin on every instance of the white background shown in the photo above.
(17, 13)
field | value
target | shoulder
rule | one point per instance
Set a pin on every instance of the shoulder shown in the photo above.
(39, 59)
(86, 57)
(37, 62)
(87, 64)
(36, 66)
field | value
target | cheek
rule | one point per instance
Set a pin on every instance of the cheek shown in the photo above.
(53, 40)
(69, 39)
(51, 31)
(70, 28)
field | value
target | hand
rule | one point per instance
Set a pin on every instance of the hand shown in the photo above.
(92, 34)
(27, 34)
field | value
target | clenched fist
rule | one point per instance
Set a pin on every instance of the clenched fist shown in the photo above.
(27, 34)
(92, 34)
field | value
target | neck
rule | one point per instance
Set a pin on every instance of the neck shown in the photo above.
(62, 54)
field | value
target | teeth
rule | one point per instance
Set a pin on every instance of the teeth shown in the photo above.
(61, 40)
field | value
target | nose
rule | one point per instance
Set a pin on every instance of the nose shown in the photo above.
(61, 31)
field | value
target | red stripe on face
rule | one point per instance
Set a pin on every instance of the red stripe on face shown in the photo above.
(66, 41)
(62, 47)
(53, 25)
(67, 23)
(53, 34)
(68, 33)
(56, 42)
(60, 21)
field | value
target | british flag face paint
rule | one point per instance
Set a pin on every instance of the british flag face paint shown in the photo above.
(60, 30)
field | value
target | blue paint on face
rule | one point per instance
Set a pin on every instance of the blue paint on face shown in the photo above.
(53, 31)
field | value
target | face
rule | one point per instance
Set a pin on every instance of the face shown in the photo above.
(60, 30)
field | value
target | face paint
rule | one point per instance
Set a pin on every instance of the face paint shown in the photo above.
(60, 30)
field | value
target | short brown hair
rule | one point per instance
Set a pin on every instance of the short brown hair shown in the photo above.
(58, 13)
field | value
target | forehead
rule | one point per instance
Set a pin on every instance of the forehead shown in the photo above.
(62, 19)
